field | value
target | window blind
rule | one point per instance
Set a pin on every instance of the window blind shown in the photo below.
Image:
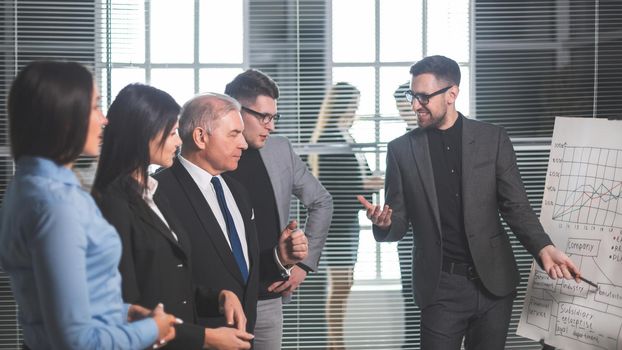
(539, 59)
(533, 61)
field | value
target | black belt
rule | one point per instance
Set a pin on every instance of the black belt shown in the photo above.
(461, 269)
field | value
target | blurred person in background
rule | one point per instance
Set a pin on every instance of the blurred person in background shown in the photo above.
(344, 174)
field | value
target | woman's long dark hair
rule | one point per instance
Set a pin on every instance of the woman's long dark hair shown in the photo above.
(135, 117)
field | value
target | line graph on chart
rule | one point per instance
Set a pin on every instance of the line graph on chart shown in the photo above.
(582, 213)
(589, 189)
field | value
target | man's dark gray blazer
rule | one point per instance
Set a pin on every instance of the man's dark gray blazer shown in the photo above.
(491, 185)
(213, 264)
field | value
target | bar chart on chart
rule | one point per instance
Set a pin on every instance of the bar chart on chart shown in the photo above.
(589, 186)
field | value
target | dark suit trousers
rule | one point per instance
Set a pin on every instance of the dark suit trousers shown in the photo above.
(464, 309)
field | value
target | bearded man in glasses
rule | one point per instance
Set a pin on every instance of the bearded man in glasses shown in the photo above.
(450, 179)
(272, 173)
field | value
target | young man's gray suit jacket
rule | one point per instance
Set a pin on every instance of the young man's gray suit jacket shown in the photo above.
(491, 185)
(289, 175)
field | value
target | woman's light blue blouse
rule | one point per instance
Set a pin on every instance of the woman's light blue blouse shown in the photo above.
(62, 258)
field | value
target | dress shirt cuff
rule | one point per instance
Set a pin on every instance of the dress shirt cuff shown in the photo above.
(285, 271)
(146, 331)
(126, 311)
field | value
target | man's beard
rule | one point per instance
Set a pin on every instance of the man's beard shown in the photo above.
(432, 121)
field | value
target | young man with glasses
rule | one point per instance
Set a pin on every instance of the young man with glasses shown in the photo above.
(451, 178)
(272, 173)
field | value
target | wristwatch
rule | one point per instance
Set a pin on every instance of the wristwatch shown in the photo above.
(307, 269)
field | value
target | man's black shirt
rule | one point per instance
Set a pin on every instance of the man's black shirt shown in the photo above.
(446, 154)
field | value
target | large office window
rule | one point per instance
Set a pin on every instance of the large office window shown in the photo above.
(183, 47)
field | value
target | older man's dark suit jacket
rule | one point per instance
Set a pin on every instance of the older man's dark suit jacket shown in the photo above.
(213, 263)
(491, 185)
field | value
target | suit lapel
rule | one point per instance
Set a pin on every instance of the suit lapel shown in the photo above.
(164, 206)
(206, 217)
(421, 151)
(146, 215)
(469, 153)
(143, 212)
(246, 212)
(270, 161)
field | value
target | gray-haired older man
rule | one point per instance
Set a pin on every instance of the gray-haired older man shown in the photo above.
(214, 209)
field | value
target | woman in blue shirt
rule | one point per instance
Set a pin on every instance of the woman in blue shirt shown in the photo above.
(155, 263)
(60, 253)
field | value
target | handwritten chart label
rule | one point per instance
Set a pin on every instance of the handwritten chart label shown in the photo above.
(585, 247)
(587, 325)
(609, 294)
(539, 313)
(542, 281)
(572, 288)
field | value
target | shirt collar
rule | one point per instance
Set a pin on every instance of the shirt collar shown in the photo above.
(45, 167)
(152, 186)
(452, 130)
(201, 177)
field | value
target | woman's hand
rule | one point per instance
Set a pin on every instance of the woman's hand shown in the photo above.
(224, 338)
(137, 312)
(165, 323)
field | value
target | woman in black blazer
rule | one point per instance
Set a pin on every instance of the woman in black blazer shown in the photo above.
(155, 265)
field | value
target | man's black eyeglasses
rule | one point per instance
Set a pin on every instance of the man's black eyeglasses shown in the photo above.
(263, 117)
(423, 98)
